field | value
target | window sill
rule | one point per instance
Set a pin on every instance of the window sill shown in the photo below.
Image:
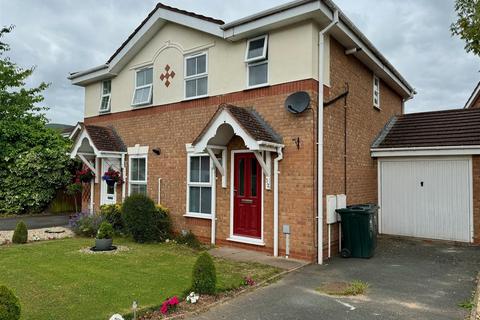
(198, 216)
(247, 240)
(104, 112)
(141, 106)
(264, 85)
(196, 98)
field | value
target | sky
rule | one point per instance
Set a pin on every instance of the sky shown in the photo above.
(62, 36)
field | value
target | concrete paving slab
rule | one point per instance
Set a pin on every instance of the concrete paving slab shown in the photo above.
(259, 257)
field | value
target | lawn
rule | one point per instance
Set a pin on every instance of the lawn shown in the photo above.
(54, 280)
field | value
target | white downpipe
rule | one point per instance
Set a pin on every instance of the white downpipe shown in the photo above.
(124, 175)
(92, 195)
(329, 241)
(275, 200)
(321, 51)
(214, 203)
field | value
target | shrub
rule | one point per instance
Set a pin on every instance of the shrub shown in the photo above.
(20, 235)
(9, 305)
(190, 240)
(105, 231)
(113, 214)
(138, 213)
(85, 225)
(163, 223)
(204, 277)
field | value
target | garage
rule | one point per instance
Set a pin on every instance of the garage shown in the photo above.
(428, 175)
(426, 198)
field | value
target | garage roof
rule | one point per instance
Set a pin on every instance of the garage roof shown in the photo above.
(431, 129)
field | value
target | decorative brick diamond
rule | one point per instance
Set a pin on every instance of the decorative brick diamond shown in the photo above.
(167, 75)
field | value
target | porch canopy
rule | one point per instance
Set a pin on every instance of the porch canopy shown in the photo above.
(248, 124)
(92, 143)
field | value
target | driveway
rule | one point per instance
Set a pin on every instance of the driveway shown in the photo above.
(34, 222)
(408, 280)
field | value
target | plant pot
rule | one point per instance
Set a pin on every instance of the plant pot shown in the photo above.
(103, 244)
(110, 182)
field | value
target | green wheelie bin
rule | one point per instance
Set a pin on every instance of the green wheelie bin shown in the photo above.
(359, 230)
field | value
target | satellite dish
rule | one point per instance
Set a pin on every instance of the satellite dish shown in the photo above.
(297, 102)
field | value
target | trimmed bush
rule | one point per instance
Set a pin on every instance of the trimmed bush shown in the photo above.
(113, 214)
(190, 240)
(204, 277)
(9, 305)
(85, 225)
(20, 235)
(139, 215)
(163, 223)
(105, 231)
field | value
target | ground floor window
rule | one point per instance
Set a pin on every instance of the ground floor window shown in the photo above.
(199, 180)
(138, 175)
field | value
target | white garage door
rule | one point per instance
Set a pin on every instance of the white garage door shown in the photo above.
(426, 198)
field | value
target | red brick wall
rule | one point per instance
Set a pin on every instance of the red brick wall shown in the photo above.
(170, 127)
(476, 103)
(364, 122)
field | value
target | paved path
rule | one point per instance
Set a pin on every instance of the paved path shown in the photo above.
(253, 256)
(408, 280)
(34, 222)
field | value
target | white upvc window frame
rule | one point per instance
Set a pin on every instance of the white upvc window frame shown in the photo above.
(106, 95)
(150, 86)
(210, 184)
(256, 61)
(137, 182)
(376, 92)
(265, 49)
(196, 76)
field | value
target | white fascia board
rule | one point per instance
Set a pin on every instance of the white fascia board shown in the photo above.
(234, 31)
(425, 151)
(86, 77)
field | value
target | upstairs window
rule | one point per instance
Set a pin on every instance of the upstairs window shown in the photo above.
(106, 96)
(376, 92)
(256, 58)
(196, 76)
(199, 194)
(143, 87)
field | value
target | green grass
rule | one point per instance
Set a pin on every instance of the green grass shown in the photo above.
(467, 304)
(353, 288)
(53, 280)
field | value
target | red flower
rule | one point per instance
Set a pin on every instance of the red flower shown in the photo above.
(164, 308)
(173, 301)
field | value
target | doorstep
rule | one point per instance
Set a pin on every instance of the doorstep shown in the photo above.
(258, 257)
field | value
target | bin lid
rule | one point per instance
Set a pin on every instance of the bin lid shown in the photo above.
(368, 208)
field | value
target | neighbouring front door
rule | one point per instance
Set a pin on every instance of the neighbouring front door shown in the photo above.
(108, 193)
(247, 211)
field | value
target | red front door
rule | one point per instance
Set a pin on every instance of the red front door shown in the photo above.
(247, 192)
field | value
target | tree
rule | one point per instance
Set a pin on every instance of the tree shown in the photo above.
(33, 158)
(467, 26)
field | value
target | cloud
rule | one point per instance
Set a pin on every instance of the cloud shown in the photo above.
(59, 37)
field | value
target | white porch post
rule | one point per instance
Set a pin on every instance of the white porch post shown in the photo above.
(124, 175)
(92, 195)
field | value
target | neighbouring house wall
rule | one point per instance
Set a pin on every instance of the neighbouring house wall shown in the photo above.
(170, 127)
(364, 122)
(290, 53)
(476, 199)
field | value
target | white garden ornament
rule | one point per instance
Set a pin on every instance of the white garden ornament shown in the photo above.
(116, 317)
(193, 298)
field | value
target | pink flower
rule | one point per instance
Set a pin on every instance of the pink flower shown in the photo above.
(164, 308)
(173, 301)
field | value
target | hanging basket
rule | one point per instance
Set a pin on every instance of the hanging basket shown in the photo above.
(110, 182)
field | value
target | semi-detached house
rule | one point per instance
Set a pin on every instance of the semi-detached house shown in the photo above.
(196, 114)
